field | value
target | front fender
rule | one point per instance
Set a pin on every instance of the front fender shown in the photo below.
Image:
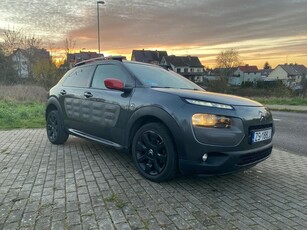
(159, 114)
(53, 102)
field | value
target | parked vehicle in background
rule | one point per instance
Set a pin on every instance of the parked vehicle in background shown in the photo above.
(168, 123)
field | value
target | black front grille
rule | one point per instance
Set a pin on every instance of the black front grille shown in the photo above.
(254, 157)
(259, 127)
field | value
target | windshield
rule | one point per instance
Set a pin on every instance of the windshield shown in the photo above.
(157, 77)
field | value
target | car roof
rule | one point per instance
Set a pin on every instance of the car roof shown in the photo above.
(100, 59)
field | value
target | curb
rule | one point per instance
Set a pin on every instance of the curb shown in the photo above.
(289, 108)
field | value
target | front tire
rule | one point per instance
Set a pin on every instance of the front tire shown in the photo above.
(55, 129)
(153, 153)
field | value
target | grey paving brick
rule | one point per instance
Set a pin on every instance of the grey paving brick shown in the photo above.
(72, 206)
(89, 222)
(10, 226)
(28, 219)
(43, 223)
(117, 216)
(58, 214)
(14, 216)
(58, 225)
(105, 224)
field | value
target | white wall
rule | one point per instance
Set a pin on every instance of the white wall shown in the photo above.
(278, 74)
(21, 64)
(244, 77)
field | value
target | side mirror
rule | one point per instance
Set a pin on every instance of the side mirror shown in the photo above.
(116, 84)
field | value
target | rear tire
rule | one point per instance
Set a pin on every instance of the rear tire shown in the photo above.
(55, 129)
(153, 153)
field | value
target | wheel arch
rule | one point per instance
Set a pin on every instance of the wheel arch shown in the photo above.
(53, 104)
(154, 114)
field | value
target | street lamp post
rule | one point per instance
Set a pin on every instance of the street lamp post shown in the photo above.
(98, 2)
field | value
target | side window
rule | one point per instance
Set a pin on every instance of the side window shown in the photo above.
(80, 77)
(107, 71)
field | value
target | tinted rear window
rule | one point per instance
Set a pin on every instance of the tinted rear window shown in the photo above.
(80, 77)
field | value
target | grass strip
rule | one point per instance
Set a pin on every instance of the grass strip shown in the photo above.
(281, 101)
(21, 115)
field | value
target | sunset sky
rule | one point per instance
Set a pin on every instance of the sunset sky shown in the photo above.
(261, 30)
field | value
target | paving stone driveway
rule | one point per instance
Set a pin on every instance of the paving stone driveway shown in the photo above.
(82, 185)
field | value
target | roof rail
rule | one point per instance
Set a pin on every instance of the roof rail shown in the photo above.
(117, 58)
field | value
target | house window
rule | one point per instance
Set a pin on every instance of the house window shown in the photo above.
(186, 70)
(178, 70)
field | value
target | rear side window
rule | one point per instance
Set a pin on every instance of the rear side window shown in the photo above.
(107, 71)
(80, 77)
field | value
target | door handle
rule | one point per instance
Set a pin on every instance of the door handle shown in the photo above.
(63, 92)
(88, 94)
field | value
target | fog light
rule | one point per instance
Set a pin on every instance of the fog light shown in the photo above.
(205, 156)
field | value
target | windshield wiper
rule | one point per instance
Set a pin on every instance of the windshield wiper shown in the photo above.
(190, 88)
(164, 87)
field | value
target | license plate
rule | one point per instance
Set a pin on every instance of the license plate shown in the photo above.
(261, 135)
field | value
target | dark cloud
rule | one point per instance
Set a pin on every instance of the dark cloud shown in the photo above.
(192, 24)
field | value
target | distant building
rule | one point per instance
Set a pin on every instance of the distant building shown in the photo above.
(24, 60)
(73, 58)
(244, 74)
(148, 56)
(224, 72)
(21, 63)
(210, 76)
(290, 74)
(265, 73)
(188, 66)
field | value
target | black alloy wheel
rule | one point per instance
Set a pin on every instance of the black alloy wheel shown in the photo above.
(153, 152)
(55, 130)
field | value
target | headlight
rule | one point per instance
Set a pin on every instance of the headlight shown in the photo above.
(211, 120)
(209, 104)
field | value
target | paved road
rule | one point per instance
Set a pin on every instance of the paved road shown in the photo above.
(291, 131)
(82, 185)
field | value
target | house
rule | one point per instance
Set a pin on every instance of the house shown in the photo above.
(290, 74)
(188, 66)
(148, 56)
(265, 73)
(244, 74)
(21, 63)
(24, 59)
(73, 58)
(225, 72)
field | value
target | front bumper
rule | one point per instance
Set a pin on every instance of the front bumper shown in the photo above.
(226, 162)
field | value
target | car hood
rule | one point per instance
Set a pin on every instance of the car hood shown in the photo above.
(211, 97)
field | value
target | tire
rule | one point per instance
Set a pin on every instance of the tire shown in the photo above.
(153, 153)
(55, 129)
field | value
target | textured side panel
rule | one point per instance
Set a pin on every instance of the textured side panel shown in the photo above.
(99, 113)
(72, 107)
(111, 114)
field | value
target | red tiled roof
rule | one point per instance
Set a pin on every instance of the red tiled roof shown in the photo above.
(248, 68)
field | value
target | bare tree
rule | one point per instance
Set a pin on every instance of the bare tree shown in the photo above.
(12, 40)
(228, 59)
(69, 45)
(33, 42)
